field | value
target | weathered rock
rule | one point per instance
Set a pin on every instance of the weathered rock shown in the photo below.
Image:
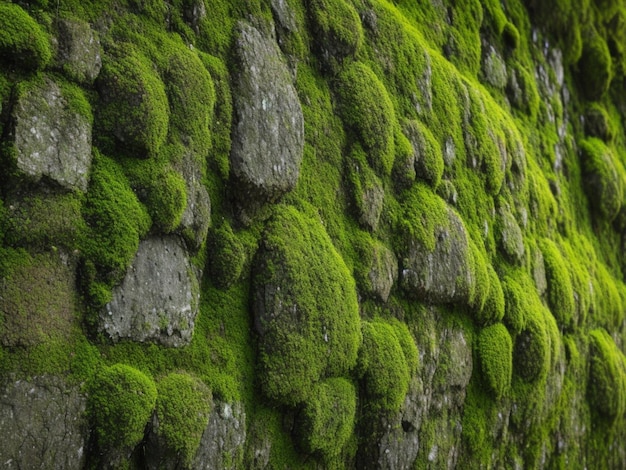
(158, 299)
(493, 68)
(79, 51)
(539, 272)
(197, 215)
(194, 12)
(52, 139)
(284, 15)
(37, 300)
(383, 271)
(268, 136)
(222, 444)
(371, 204)
(510, 236)
(442, 275)
(42, 423)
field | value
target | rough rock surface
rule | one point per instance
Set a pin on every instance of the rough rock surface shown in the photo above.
(383, 271)
(79, 50)
(197, 215)
(371, 203)
(42, 424)
(443, 274)
(511, 237)
(222, 444)
(158, 299)
(52, 140)
(268, 136)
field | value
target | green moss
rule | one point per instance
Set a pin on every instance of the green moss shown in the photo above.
(602, 183)
(383, 367)
(115, 217)
(166, 200)
(134, 111)
(313, 329)
(326, 421)
(607, 375)
(481, 274)
(598, 123)
(595, 66)
(560, 292)
(367, 189)
(519, 293)
(365, 107)
(463, 44)
(427, 152)
(495, 350)
(532, 354)
(493, 309)
(121, 401)
(337, 28)
(191, 97)
(183, 406)
(608, 309)
(226, 256)
(22, 40)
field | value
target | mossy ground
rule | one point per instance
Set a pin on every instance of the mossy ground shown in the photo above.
(366, 74)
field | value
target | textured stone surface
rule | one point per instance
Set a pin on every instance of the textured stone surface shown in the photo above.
(158, 299)
(197, 215)
(52, 140)
(511, 237)
(268, 136)
(383, 271)
(79, 50)
(42, 424)
(443, 274)
(222, 444)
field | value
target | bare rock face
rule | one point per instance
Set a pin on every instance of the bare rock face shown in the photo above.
(79, 51)
(158, 299)
(42, 424)
(268, 137)
(197, 214)
(442, 275)
(222, 444)
(52, 140)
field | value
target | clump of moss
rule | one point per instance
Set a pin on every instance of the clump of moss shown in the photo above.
(493, 309)
(191, 96)
(367, 189)
(22, 41)
(383, 367)
(115, 217)
(598, 122)
(306, 307)
(495, 350)
(134, 109)
(463, 44)
(607, 375)
(365, 107)
(226, 256)
(517, 290)
(183, 406)
(121, 401)
(595, 65)
(481, 275)
(166, 200)
(560, 291)
(602, 182)
(522, 91)
(338, 31)
(326, 420)
(532, 354)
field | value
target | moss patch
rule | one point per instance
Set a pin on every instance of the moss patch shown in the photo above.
(22, 41)
(607, 384)
(495, 350)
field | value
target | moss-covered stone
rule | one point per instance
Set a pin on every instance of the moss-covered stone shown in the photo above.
(607, 384)
(368, 191)
(305, 306)
(121, 401)
(427, 153)
(495, 350)
(384, 368)
(595, 65)
(493, 308)
(532, 354)
(182, 410)
(326, 421)
(134, 110)
(226, 256)
(560, 292)
(365, 107)
(22, 41)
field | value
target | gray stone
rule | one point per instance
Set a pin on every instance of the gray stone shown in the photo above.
(442, 275)
(284, 15)
(383, 271)
(371, 204)
(197, 215)
(268, 136)
(52, 140)
(510, 236)
(158, 299)
(222, 444)
(539, 272)
(42, 424)
(493, 68)
(79, 51)
(194, 12)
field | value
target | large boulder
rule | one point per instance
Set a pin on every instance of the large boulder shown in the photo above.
(158, 299)
(42, 424)
(52, 135)
(78, 50)
(268, 137)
